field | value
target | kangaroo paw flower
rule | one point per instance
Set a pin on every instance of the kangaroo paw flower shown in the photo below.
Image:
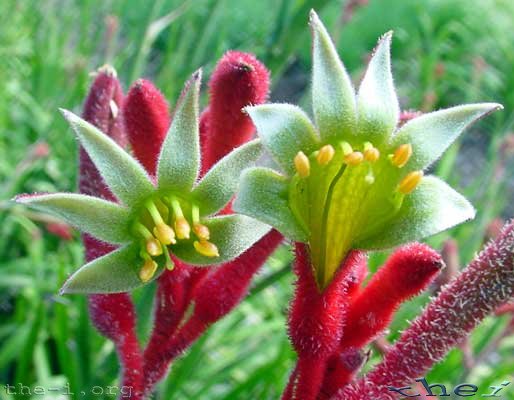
(353, 178)
(152, 215)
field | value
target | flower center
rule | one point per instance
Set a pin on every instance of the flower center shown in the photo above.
(161, 223)
(342, 194)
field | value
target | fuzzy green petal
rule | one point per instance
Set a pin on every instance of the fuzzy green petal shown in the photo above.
(126, 178)
(179, 161)
(218, 186)
(232, 234)
(115, 272)
(263, 194)
(333, 96)
(377, 102)
(431, 134)
(432, 208)
(285, 130)
(102, 219)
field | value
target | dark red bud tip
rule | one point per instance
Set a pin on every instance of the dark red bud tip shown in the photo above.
(101, 109)
(238, 80)
(103, 102)
(147, 120)
(411, 268)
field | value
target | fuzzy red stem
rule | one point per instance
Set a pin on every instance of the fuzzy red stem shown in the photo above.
(218, 293)
(316, 320)
(487, 283)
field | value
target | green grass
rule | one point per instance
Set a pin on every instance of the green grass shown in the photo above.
(444, 53)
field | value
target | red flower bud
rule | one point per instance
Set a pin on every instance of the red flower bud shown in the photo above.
(239, 80)
(147, 119)
(408, 271)
(101, 109)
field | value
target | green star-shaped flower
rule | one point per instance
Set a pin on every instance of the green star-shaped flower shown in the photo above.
(175, 213)
(354, 179)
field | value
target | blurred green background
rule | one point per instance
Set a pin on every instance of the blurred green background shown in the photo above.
(444, 53)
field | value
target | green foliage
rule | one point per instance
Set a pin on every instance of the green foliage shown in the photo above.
(49, 47)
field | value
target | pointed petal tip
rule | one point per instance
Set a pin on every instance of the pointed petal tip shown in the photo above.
(313, 17)
(197, 75)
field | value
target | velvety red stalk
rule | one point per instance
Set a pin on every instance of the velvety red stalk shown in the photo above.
(215, 295)
(147, 119)
(408, 271)
(238, 80)
(218, 293)
(316, 320)
(482, 287)
(113, 315)
(171, 302)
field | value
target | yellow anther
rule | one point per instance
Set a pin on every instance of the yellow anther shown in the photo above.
(153, 247)
(325, 154)
(354, 158)
(302, 164)
(409, 183)
(370, 152)
(401, 155)
(182, 228)
(148, 270)
(201, 231)
(347, 148)
(164, 233)
(206, 248)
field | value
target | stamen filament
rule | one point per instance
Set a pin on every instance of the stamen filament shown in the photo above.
(154, 212)
(347, 148)
(143, 230)
(169, 262)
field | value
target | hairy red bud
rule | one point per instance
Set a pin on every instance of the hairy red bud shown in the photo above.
(238, 80)
(147, 119)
